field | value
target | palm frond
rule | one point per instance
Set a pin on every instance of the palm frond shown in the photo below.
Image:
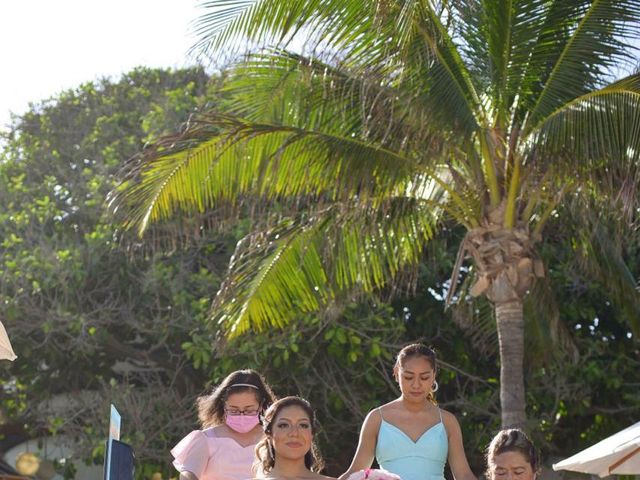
(240, 159)
(407, 39)
(300, 265)
(496, 40)
(450, 79)
(228, 22)
(336, 24)
(500, 19)
(597, 136)
(305, 129)
(586, 41)
(290, 89)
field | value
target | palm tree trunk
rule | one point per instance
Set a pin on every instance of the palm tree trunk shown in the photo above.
(510, 325)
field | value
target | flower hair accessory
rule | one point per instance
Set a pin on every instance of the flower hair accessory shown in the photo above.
(373, 474)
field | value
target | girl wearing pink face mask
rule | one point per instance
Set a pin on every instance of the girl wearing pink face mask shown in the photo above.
(231, 428)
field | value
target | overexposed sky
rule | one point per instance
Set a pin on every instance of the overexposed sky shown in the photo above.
(47, 46)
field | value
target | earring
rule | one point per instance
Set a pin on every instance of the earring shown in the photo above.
(435, 386)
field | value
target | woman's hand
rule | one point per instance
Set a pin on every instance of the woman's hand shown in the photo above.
(373, 474)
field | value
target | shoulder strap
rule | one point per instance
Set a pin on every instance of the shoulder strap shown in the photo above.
(379, 409)
(444, 426)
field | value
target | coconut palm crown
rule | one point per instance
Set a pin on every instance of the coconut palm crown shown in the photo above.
(397, 118)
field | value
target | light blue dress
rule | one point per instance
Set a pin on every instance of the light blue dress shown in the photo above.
(424, 459)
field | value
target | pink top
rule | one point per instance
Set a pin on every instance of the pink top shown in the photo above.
(210, 457)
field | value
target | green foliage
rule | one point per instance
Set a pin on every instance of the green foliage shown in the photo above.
(113, 321)
(430, 115)
(80, 310)
(399, 119)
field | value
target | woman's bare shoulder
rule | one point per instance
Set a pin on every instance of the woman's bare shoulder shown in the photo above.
(447, 416)
(375, 416)
(450, 421)
(391, 406)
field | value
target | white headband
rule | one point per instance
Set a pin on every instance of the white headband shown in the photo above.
(243, 385)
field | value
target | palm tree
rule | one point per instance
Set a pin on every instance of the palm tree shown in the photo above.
(400, 118)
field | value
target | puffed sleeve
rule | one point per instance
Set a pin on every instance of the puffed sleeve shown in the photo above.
(192, 454)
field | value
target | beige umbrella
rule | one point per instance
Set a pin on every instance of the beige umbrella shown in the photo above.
(6, 352)
(618, 454)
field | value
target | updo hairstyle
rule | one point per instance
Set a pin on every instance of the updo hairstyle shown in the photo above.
(512, 440)
(417, 350)
(265, 452)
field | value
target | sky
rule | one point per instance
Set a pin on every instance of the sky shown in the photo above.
(48, 46)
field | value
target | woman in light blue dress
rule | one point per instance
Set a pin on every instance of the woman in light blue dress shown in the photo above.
(411, 436)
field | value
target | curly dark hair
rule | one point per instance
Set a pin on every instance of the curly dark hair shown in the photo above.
(417, 350)
(211, 407)
(512, 440)
(265, 452)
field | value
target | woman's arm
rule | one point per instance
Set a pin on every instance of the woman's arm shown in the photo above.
(457, 458)
(366, 451)
(187, 476)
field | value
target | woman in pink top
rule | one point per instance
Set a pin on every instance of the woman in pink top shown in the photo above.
(230, 418)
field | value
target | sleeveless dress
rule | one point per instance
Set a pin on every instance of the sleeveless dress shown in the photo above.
(210, 457)
(424, 459)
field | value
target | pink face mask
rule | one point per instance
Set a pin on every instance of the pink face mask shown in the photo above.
(242, 423)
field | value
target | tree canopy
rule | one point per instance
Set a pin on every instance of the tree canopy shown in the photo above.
(97, 319)
(400, 119)
(93, 322)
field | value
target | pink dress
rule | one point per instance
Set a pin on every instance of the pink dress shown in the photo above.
(210, 457)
